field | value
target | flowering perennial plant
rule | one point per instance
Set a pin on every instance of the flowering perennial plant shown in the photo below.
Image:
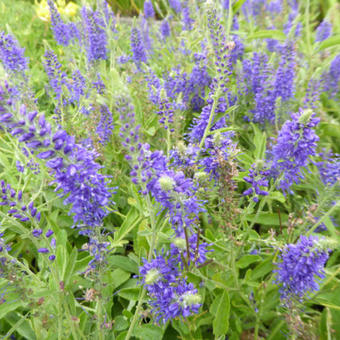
(173, 175)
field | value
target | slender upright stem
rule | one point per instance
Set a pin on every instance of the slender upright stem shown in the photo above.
(211, 116)
(143, 291)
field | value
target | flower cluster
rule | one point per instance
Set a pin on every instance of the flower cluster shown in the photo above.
(171, 296)
(17, 209)
(73, 166)
(323, 31)
(301, 268)
(94, 35)
(165, 29)
(64, 34)
(12, 55)
(296, 142)
(267, 86)
(176, 5)
(105, 126)
(46, 250)
(329, 169)
(187, 20)
(332, 78)
(137, 47)
(149, 12)
(257, 178)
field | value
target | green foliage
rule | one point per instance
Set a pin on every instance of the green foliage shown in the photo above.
(65, 300)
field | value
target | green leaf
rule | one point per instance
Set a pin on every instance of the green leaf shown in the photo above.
(260, 141)
(120, 323)
(69, 271)
(123, 262)
(326, 325)
(267, 218)
(262, 269)
(129, 293)
(220, 115)
(151, 132)
(131, 221)
(277, 196)
(148, 332)
(20, 325)
(328, 129)
(237, 5)
(221, 321)
(118, 277)
(12, 303)
(246, 260)
(121, 336)
(330, 42)
(62, 260)
(270, 34)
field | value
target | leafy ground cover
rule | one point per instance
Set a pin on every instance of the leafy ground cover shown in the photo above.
(174, 178)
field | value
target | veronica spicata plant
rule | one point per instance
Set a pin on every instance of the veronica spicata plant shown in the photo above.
(171, 175)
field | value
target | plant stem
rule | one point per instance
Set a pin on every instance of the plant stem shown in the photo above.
(211, 116)
(143, 291)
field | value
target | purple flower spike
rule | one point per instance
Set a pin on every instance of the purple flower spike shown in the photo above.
(95, 35)
(176, 5)
(296, 142)
(137, 47)
(323, 31)
(165, 29)
(301, 268)
(11, 55)
(149, 11)
(64, 33)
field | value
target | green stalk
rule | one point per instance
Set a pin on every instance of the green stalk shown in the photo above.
(143, 291)
(211, 116)
(99, 319)
(168, 141)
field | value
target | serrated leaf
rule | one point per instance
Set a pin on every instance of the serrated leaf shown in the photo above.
(221, 321)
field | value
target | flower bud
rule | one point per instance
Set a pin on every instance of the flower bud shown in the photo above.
(191, 299)
(180, 243)
(166, 183)
(152, 276)
(201, 176)
(305, 116)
